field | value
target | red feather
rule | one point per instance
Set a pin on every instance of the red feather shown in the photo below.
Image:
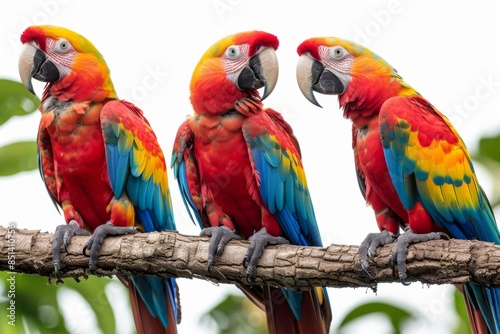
(35, 33)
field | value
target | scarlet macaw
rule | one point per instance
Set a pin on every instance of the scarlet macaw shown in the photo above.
(239, 169)
(100, 161)
(412, 166)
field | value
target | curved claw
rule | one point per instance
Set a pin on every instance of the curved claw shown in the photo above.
(100, 233)
(368, 247)
(399, 251)
(258, 242)
(220, 236)
(72, 229)
(62, 236)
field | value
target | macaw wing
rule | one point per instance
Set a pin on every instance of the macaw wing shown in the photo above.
(136, 165)
(46, 165)
(360, 176)
(275, 155)
(428, 162)
(186, 173)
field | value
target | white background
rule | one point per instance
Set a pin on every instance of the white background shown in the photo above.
(447, 50)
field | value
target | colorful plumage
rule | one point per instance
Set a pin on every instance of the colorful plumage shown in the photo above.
(412, 166)
(100, 161)
(239, 170)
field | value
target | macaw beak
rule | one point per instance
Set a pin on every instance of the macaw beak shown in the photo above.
(313, 76)
(262, 71)
(33, 63)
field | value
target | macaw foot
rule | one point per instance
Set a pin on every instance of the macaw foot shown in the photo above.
(398, 252)
(368, 247)
(220, 236)
(100, 233)
(258, 242)
(62, 236)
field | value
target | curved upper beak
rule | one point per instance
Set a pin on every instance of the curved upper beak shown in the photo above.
(262, 71)
(313, 76)
(33, 63)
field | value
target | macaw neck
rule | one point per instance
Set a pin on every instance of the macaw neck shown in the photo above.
(80, 88)
(215, 95)
(365, 96)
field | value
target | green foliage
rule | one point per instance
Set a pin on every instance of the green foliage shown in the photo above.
(21, 157)
(15, 100)
(488, 148)
(236, 314)
(37, 308)
(397, 316)
(489, 156)
(463, 326)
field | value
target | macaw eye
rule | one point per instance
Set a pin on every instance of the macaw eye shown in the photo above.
(338, 52)
(63, 46)
(233, 52)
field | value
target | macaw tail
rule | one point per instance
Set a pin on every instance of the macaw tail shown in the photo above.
(483, 308)
(314, 316)
(154, 312)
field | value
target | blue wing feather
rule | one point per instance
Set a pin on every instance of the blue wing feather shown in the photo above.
(183, 141)
(280, 187)
(129, 173)
(462, 216)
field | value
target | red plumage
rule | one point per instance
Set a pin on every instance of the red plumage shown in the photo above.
(239, 169)
(100, 161)
(412, 167)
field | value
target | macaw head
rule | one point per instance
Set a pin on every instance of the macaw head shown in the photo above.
(71, 65)
(361, 78)
(234, 68)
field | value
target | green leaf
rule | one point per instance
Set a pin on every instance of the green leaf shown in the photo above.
(93, 291)
(397, 316)
(36, 304)
(236, 314)
(18, 157)
(488, 147)
(463, 326)
(15, 100)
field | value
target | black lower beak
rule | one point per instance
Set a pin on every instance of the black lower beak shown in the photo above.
(248, 80)
(324, 81)
(250, 77)
(44, 69)
(261, 71)
(313, 76)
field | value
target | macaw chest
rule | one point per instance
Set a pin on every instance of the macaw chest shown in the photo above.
(372, 161)
(370, 153)
(225, 169)
(373, 164)
(75, 134)
(223, 162)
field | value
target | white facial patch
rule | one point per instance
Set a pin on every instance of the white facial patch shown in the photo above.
(343, 65)
(234, 59)
(64, 59)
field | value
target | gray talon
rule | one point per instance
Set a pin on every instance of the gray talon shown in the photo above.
(368, 248)
(100, 233)
(62, 236)
(219, 237)
(399, 251)
(258, 242)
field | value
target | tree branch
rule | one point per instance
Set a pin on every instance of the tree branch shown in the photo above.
(168, 254)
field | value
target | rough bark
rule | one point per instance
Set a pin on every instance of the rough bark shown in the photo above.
(168, 254)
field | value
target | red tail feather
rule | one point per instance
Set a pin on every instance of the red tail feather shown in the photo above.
(145, 323)
(477, 323)
(315, 318)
